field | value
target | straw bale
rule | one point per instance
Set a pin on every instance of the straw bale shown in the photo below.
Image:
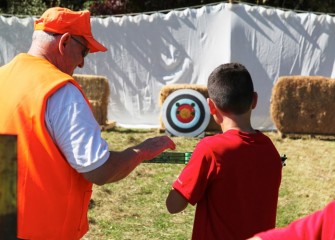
(108, 126)
(99, 110)
(96, 89)
(168, 89)
(304, 105)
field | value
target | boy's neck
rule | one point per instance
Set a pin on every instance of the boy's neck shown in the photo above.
(246, 129)
(240, 123)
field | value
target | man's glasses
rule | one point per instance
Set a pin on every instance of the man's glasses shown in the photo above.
(85, 51)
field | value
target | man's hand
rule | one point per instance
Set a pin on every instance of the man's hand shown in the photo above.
(152, 147)
(120, 164)
(254, 238)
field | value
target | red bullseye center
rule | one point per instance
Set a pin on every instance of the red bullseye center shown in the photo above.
(185, 113)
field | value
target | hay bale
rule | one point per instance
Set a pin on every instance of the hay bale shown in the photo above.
(99, 111)
(168, 89)
(96, 89)
(8, 186)
(303, 105)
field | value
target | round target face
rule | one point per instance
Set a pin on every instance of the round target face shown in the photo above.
(185, 113)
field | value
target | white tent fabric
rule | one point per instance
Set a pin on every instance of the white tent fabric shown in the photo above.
(147, 52)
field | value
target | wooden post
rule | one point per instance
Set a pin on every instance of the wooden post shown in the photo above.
(8, 186)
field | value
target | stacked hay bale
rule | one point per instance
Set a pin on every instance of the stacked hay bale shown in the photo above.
(304, 105)
(96, 89)
(168, 89)
(8, 186)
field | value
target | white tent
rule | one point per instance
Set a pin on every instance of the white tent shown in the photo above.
(147, 52)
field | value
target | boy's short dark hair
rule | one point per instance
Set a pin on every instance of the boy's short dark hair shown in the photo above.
(230, 87)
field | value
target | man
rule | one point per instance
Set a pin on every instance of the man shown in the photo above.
(60, 149)
(233, 177)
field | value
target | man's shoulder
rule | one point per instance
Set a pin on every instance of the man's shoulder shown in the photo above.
(66, 94)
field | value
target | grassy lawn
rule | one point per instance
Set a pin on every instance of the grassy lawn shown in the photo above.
(134, 208)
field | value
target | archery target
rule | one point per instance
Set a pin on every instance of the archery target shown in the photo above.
(185, 113)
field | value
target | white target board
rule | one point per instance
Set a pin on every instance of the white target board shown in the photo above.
(185, 113)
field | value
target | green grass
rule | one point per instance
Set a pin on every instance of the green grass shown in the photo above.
(134, 208)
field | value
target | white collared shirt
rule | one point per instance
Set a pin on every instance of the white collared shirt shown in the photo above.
(74, 129)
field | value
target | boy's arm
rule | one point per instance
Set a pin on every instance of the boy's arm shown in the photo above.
(318, 225)
(175, 202)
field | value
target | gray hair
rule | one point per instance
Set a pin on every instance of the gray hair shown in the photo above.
(43, 36)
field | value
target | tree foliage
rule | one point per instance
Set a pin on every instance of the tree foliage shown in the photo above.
(109, 7)
(113, 7)
(325, 6)
(24, 7)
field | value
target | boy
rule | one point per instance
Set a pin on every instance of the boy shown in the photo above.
(234, 176)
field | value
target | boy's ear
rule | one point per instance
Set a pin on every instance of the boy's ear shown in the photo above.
(254, 100)
(212, 107)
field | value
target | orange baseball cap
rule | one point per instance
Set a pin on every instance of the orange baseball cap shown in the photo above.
(63, 20)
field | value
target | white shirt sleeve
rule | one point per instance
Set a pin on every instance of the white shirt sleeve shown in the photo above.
(74, 129)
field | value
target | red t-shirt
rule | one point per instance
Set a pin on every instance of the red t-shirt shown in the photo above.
(319, 225)
(234, 179)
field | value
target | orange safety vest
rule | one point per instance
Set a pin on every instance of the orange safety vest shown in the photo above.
(53, 198)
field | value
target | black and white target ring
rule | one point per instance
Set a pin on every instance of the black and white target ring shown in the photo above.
(185, 113)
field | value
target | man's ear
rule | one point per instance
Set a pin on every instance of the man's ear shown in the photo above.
(64, 40)
(212, 107)
(254, 100)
